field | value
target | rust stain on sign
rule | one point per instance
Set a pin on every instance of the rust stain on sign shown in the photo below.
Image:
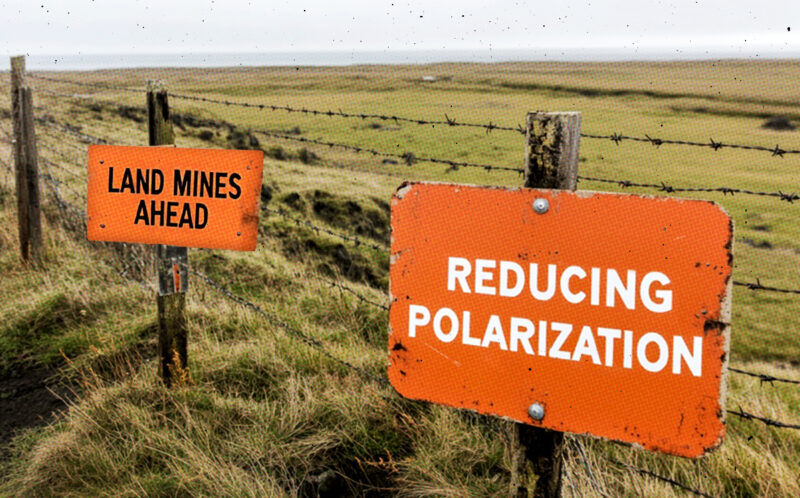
(179, 197)
(611, 311)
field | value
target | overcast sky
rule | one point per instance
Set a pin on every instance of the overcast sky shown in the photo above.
(147, 26)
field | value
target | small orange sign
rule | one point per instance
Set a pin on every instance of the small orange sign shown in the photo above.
(585, 312)
(179, 197)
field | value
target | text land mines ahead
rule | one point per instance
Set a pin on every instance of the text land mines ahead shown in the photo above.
(180, 197)
(608, 311)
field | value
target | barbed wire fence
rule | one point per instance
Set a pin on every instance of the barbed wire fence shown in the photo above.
(62, 156)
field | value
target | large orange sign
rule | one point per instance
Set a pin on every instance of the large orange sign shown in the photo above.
(583, 312)
(179, 197)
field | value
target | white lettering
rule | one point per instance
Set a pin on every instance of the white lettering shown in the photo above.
(680, 351)
(555, 349)
(627, 353)
(626, 292)
(586, 345)
(458, 269)
(572, 271)
(595, 295)
(663, 352)
(551, 282)
(494, 333)
(466, 339)
(609, 335)
(542, 338)
(481, 276)
(519, 283)
(518, 336)
(437, 324)
(665, 296)
(418, 316)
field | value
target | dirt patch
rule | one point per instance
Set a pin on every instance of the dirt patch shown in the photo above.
(294, 201)
(779, 123)
(29, 398)
(243, 139)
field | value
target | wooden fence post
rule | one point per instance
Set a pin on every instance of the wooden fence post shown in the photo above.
(551, 161)
(171, 262)
(27, 167)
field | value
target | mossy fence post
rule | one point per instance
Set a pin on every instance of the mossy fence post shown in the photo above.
(551, 161)
(26, 163)
(171, 262)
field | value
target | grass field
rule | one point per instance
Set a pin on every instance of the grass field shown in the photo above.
(265, 415)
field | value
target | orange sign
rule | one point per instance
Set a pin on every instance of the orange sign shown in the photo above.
(178, 197)
(583, 312)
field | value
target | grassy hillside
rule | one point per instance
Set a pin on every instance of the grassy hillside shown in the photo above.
(265, 414)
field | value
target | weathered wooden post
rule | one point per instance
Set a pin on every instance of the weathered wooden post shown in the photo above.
(551, 161)
(172, 262)
(26, 161)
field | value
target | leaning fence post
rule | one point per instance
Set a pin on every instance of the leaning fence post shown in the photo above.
(26, 161)
(172, 262)
(551, 161)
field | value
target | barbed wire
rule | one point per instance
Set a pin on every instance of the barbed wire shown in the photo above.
(316, 228)
(448, 121)
(757, 286)
(715, 145)
(293, 332)
(50, 163)
(763, 377)
(767, 421)
(72, 130)
(409, 158)
(62, 204)
(664, 187)
(70, 174)
(341, 286)
(665, 479)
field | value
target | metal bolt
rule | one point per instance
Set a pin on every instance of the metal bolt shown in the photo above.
(536, 410)
(541, 206)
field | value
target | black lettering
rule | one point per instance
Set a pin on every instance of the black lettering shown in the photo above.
(234, 177)
(194, 183)
(142, 181)
(220, 184)
(111, 188)
(206, 183)
(171, 213)
(127, 181)
(181, 185)
(156, 212)
(186, 216)
(141, 213)
(200, 221)
(158, 182)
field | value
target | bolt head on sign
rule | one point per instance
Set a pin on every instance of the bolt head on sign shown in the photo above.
(607, 312)
(178, 197)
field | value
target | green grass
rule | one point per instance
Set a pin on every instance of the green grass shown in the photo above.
(264, 414)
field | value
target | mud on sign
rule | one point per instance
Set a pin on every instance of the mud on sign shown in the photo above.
(180, 197)
(611, 311)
